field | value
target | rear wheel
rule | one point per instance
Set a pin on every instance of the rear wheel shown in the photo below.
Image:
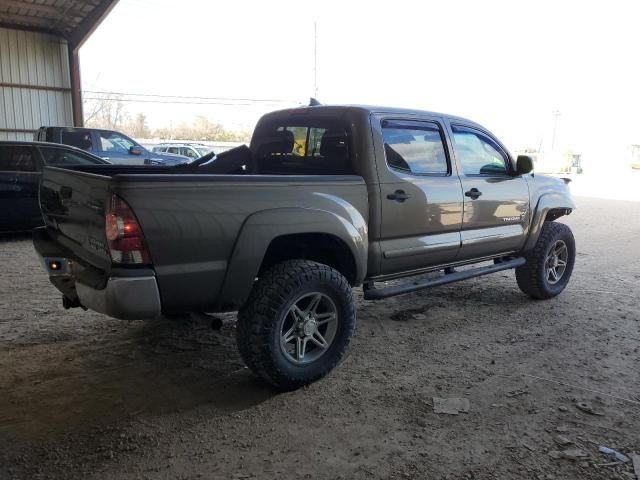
(550, 263)
(297, 323)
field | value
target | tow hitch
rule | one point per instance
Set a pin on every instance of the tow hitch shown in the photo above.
(68, 303)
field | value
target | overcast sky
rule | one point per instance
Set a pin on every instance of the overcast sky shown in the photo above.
(508, 65)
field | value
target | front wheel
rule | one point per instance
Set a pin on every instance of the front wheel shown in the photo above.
(550, 263)
(297, 323)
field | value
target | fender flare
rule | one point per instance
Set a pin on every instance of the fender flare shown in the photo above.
(261, 228)
(546, 202)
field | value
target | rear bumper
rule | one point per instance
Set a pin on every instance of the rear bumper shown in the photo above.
(126, 294)
(127, 298)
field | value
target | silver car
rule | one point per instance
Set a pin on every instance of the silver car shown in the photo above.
(190, 150)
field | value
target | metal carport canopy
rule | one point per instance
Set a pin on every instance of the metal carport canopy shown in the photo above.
(72, 20)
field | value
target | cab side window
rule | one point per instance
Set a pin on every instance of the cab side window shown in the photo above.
(59, 156)
(478, 153)
(14, 158)
(188, 152)
(415, 147)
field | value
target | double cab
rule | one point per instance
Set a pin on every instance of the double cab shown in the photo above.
(325, 199)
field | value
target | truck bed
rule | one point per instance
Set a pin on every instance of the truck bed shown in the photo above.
(190, 221)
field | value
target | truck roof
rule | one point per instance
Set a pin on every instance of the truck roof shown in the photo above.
(43, 144)
(370, 109)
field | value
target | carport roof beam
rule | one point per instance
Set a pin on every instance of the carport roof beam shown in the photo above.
(73, 20)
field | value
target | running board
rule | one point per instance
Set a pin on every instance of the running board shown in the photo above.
(373, 293)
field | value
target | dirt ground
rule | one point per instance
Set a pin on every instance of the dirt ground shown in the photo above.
(84, 396)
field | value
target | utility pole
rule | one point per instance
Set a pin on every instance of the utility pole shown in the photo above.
(315, 59)
(556, 114)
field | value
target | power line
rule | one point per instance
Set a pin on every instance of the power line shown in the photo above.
(133, 100)
(190, 97)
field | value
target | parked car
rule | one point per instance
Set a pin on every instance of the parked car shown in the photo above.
(190, 150)
(325, 199)
(21, 165)
(113, 146)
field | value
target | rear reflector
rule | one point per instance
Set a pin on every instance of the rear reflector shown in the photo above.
(126, 241)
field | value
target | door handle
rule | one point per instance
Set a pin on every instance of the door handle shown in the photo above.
(473, 193)
(398, 196)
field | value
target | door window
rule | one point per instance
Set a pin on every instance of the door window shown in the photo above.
(174, 150)
(415, 147)
(14, 158)
(113, 142)
(59, 156)
(478, 154)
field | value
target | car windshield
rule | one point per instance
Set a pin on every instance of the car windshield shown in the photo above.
(204, 150)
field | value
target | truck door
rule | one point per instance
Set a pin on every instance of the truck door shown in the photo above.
(421, 198)
(496, 200)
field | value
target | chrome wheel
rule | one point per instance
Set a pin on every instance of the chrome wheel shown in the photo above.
(556, 262)
(309, 328)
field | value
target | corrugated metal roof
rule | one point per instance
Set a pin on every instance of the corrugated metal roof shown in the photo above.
(71, 19)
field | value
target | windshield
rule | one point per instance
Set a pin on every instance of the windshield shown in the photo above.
(204, 150)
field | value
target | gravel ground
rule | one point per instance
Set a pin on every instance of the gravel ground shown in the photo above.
(85, 396)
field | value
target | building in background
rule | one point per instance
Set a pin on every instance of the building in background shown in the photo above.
(39, 66)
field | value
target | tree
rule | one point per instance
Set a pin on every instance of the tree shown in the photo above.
(201, 129)
(138, 127)
(105, 112)
(109, 112)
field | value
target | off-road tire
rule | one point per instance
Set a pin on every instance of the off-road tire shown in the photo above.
(259, 322)
(532, 277)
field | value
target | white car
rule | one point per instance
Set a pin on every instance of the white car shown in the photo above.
(190, 150)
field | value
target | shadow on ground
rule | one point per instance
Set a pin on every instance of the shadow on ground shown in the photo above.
(144, 369)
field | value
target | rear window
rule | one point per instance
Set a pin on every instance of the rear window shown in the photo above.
(303, 150)
(15, 158)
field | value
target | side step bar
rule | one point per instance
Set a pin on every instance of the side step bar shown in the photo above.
(372, 293)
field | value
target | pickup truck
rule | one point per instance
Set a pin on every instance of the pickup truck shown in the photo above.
(325, 199)
(114, 147)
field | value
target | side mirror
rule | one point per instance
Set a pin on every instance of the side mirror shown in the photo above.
(135, 150)
(524, 164)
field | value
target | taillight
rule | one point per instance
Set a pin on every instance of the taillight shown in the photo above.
(126, 241)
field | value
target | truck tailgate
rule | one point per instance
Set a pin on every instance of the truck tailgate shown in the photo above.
(73, 205)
